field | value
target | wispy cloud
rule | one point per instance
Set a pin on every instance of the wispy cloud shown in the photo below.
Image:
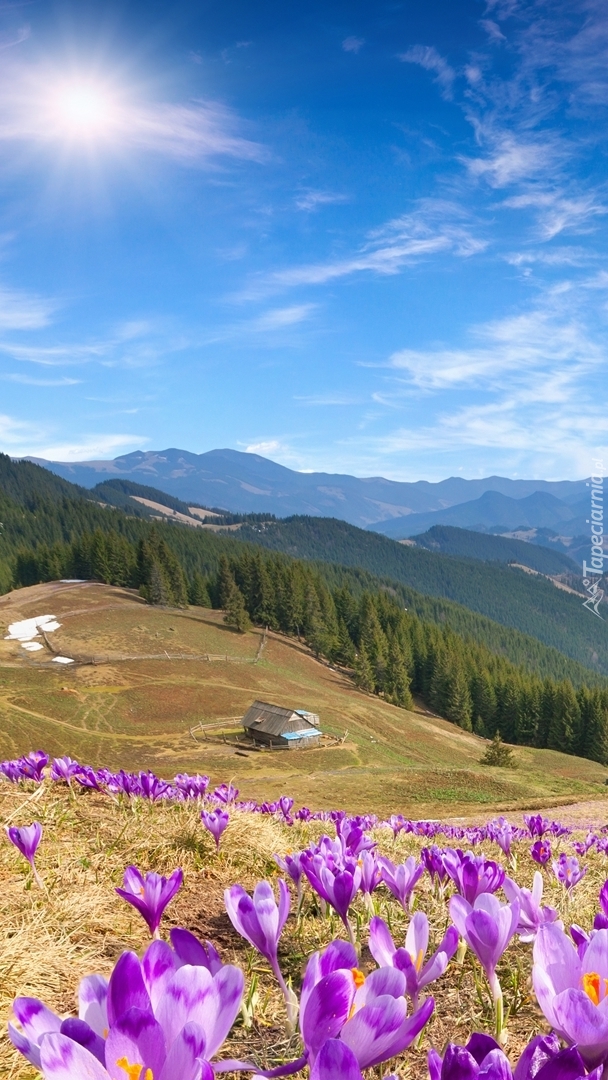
(557, 213)
(429, 59)
(24, 311)
(312, 200)
(279, 318)
(436, 226)
(353, 44)
(511, 160)
(90, 448)
(8, 39)
(28, 380)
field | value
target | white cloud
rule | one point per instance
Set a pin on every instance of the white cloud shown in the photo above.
(28, 380)
(558, 213)
(265, 447)
(517, 349)
(311, 200)
(428, 58)
(492, 29)
(90, 448)
(353, 44)
(23, 311)
(8, 40)
(512, 160)
(280, 318)
(436, 226)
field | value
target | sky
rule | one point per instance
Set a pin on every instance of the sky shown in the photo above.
(356, 236)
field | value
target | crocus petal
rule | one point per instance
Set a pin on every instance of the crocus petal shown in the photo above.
(381, 944)
(158, 968)
(382, 1030)
(458, 1064)
(34, 1017)
(583, 1023)
(126, 989)
(25, 1046)
(327, 1009)
(596, 954)
(480, 1045)
(138, 1038)
(336, 1061)
(79, 1031)
(535, 1055)
(566, 1065)
(195, 996)
(184, 1057)
(93, 1002)
(380, 983)
(190, 950)
(495, 1067)
(417, 937)
(62, 1059)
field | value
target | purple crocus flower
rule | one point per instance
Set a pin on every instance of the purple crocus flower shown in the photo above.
(63, 769)
(487, 927)
(432, 857)
(502, 833)
(531, 914)
(483, 1057)
(568, 871)
(369, 1015)
(571, 990)
(215, 821)
(537, 824)
(402, 879)
(260, 920)
(150, 895)
(169, 1012)
(370, 877)
(541, 852)
(336, 884)
(32, 765)
(410, 960)
(472, 874)
(601, 919)
(292, 865)
(26, 840)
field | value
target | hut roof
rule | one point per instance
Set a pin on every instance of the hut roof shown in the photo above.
(278, 721)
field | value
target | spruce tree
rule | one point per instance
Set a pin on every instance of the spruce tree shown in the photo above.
(236, 613)
(364, 673)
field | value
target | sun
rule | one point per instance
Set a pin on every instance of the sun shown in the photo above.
(84, 109)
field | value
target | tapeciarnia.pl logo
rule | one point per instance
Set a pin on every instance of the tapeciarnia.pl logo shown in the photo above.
(595, 569)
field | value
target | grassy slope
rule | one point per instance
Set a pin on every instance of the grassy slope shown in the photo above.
(136, 713)
(504, 594)
(49, 941)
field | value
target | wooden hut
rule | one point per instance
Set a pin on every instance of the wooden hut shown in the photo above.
(281, 729)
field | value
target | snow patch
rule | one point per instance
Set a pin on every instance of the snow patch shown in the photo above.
(62, 660)
(28, 628)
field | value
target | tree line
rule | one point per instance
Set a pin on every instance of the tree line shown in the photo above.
(389, 650)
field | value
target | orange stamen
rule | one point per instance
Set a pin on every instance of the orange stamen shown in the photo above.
(591, 986)
(134, 1072)
(358, 976)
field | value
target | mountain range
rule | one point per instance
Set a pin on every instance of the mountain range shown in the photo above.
(246, 483)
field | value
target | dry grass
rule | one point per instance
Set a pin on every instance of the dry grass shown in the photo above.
(51, 940)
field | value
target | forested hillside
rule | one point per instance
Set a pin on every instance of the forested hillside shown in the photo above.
(502, 593)
(490, 548)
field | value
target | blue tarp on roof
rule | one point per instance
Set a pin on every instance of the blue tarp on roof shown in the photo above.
(306, 734)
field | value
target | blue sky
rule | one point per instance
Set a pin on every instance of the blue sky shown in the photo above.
(350, 236)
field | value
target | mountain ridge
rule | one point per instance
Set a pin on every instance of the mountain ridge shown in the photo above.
(244, 483)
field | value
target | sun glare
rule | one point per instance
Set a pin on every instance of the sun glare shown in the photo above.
(84, 109)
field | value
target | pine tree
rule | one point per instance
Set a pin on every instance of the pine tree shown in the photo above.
(236, 612)
(498, 754)
(198, 593)
(457, 707)
(364, 674)
(156, 587)
(397, 679)
(225, 582)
